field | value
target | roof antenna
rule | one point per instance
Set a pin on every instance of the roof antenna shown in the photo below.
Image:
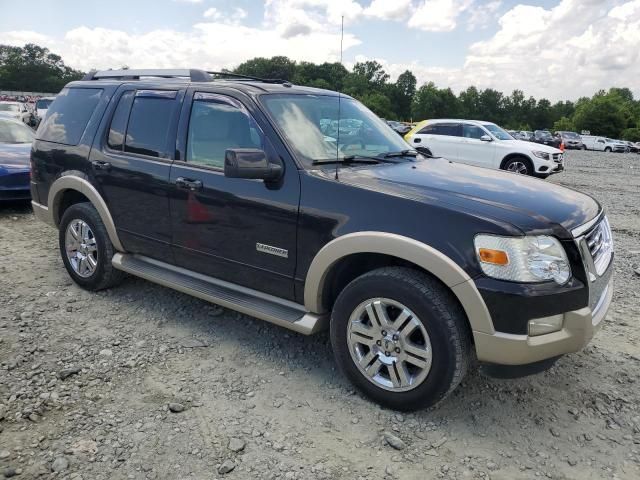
(339, 96)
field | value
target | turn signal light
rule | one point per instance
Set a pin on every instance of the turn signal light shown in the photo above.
(497, 257)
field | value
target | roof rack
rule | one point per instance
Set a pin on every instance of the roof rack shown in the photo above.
(193, 75)
(135, 74)
(250, 77)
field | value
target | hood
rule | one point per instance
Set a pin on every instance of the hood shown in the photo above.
(531, 146)
(529, 204)
(15, 154)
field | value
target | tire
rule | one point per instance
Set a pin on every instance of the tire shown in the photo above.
(93, 245)
(432, 309)
(584, 147)
(519, 165)
(608, 149)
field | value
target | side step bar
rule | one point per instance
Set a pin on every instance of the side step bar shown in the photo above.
(287, 314)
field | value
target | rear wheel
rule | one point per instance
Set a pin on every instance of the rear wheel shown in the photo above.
(400, 337)
(519, 165)
(86, 249)
(607, 149)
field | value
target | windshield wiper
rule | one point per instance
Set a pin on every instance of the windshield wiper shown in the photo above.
(402, 153)
(351, 159)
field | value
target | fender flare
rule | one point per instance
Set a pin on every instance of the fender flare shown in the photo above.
(413, 251)
(79, 184)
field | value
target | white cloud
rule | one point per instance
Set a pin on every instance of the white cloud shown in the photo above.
(188, 1)
(570, 50)
(210, 45)
(481, 15)
(233, 18)
(389, 9)
(212, 13)
(438, 15)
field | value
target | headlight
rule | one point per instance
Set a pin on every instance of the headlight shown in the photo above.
(523, 259)
(543, 155)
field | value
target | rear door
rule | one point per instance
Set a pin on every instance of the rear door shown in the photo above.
(442, 139)
(239, 230)
(473, 151)
(131, 164)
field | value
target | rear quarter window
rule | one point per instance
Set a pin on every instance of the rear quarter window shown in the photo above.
(68, 115)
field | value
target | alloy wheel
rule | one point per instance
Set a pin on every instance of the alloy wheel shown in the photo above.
(389, 344)
(518, 167)
(81, 248)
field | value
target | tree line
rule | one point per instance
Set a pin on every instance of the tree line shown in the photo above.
(613, 113)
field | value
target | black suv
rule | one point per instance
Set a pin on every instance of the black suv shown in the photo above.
(231, 189)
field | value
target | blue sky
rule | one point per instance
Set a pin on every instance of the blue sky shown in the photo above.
(503, 44)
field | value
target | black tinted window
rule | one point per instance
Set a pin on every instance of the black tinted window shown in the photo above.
(448, 129)
(68, 115)
(149, 125)
(218, 123)
(119, 122)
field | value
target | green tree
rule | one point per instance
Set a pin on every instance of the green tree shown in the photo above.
(564, 125)
(602, 115)
(33, 68)
(631, 134)
(432, 102)
(403, 92)
(274, 67)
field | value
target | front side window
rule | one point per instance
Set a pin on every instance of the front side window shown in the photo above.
(150, 120)
(320, 128)
(68, 115)
(472, 131)
(497, 132)
(218, 123)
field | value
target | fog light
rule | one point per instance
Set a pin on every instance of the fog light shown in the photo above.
(541, 326)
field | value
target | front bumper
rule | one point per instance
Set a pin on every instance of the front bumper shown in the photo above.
(578, 329)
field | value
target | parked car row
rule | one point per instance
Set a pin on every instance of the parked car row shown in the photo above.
(30, 114)
(484, 144)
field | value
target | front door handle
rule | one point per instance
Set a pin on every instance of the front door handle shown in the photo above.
(188, 183)
(101, 165)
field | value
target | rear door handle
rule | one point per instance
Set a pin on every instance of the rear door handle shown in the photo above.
(101, 165)
(188, 183)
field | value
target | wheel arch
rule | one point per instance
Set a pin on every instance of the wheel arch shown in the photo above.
(516, 155)
(406, 250)
(79, 185)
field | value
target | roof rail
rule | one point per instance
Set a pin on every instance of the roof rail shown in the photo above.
(135, 74)
(250, 77)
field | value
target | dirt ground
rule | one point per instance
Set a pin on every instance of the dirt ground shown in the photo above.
(141, 382)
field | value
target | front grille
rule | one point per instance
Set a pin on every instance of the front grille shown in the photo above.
(600, 244)
(557, 157)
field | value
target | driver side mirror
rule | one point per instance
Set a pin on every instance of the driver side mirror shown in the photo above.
(486, 138)
(250, 163)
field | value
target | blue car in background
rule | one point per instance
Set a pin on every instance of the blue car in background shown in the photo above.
(15, 169)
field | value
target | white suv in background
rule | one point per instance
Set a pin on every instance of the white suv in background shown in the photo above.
(484, 144)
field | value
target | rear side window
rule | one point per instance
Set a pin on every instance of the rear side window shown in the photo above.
(69, 114)
(119, 121)
(447, 129)
(472, 131)
(150, 122)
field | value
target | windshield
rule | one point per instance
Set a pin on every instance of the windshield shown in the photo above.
(43, 104)
(570, 135)
(497, 132)
(310, 124)
(13, 132)
(9, 107)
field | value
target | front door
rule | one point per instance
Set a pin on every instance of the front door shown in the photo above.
(474, 151)
(238, 230)
(131, 164)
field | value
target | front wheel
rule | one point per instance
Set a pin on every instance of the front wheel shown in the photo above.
(608, 150)
(519, 165)
(400, 337)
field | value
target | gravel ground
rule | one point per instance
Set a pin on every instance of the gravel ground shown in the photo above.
(143, 382)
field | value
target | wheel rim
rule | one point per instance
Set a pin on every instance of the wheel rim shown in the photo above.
(81, 248)
(518, 167)
(389, 344)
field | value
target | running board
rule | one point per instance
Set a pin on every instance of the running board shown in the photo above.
(251, 302)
